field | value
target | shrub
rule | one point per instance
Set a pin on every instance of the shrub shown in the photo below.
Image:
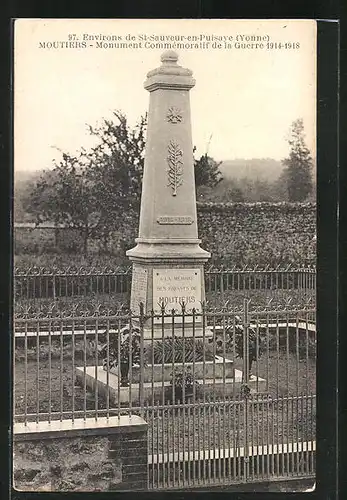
(182, 384)
(177, 350)
(123, 351)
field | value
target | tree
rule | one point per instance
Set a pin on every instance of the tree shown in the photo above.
(66, 197)
(280, 189)
(207, 171)
(99, 191)
(19, 195)
(228, 190)
(23, 185)
(298, 166)
(117, 171)
(119, 156)
(96, 191)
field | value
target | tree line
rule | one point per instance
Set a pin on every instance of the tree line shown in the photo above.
(98, 191)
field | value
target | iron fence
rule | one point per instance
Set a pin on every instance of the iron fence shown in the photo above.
(228, 393)
(40, 286)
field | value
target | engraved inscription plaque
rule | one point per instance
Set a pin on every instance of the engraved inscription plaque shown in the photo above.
(138, 289)
(171, 287)
(175, 219)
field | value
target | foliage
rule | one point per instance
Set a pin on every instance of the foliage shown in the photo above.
(178, 350)
(235, 338)
(246, 190)
(262, 234)
(298, 166)
(122, 346)
(236, 234)
(236, 194)
(99, 191)
(66, 197)
(23, 184)
(117, 170)
(245, 391)
(96, 191)
(180, 378)
(207, 172)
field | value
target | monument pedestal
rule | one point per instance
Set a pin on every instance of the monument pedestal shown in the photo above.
(163, 287)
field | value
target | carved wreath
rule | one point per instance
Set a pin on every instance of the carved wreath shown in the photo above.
(174, 115)
(175, 163)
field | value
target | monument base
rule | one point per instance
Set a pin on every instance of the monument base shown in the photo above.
(219, 368)
(109, 384)
(159, 332)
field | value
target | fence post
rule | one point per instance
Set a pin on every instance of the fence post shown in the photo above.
(54, 288)
(245, 342)
(142, 364)
(245, 386)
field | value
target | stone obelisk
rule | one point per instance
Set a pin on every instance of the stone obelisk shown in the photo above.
(168, 263)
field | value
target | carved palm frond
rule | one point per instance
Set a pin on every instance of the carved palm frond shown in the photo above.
(175, 163)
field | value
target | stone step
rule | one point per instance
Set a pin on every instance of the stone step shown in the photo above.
(219, 368)
(153, 391)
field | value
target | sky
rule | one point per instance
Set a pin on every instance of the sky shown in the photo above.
(242, 105)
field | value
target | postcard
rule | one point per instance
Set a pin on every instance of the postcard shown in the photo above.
(164, 255)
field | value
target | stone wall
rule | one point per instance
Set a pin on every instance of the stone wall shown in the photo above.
(98, 457)
(235, 234)
(258, 233)
(65, 464)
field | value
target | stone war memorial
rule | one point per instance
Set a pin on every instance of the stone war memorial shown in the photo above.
(168, 262)
(195, 376)
(168, 286)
